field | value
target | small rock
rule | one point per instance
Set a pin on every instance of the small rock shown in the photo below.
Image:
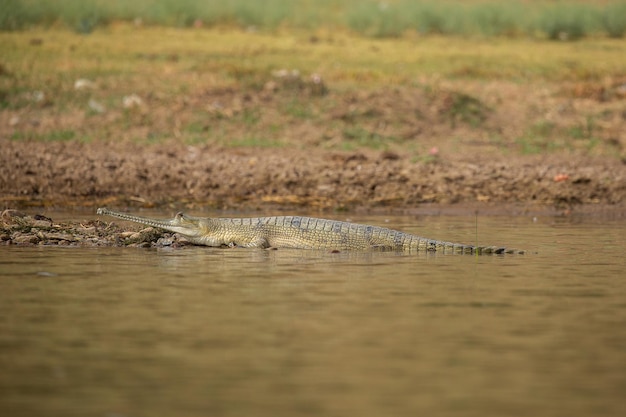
(83, 84)
(96, 107)
(132, 101)
(165, 241)
(38, 96)
(60, 236)
(41, 223)
(25, 239)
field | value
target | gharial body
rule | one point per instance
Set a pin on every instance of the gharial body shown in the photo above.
(300, 233)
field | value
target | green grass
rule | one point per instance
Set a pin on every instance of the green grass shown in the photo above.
(585, 135)
(538, 139)
(466, 109)
(547, 137)
(299, 109)
(358, 137)
(392, 18)
(498, 19)
(584, 131)
(568, 23)
(613, 19)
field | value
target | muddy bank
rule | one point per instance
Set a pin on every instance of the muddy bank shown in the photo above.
(61, 174)
(20, 228)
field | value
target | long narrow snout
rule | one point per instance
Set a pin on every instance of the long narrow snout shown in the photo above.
(179, 224)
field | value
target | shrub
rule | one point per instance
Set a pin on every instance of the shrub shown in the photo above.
(565, 22)
(614, 20)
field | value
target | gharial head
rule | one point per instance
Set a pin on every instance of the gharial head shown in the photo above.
(185, 225)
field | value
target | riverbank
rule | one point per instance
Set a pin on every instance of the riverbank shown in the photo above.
(223, 119)
(166, 175)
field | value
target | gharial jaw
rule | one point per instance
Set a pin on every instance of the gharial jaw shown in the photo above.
(185, 225)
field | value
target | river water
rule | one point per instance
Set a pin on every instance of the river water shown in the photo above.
(125, 332)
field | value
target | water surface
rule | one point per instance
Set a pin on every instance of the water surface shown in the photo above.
(236, 332)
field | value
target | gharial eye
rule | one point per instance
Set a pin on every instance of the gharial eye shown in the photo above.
(180, 215)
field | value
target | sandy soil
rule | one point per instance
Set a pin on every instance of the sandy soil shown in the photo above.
(128, 174)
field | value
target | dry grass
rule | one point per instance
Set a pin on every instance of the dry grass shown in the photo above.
(123, 50)
(224, 86)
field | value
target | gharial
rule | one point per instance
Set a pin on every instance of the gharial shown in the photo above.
(300, 233)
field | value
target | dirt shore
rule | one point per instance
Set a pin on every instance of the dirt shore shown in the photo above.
(37, 176)
(170, 125)
(61, 174)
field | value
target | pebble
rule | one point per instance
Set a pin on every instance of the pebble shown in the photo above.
(24, 239)
(41, 223)
(83, 83)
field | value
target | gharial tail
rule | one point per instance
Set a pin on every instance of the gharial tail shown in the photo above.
(496, 250)
(449, 247)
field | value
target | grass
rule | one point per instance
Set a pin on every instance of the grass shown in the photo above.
(392, 18)
(571, 23)
(126, 55)
(357, 137)
(546, 137)
(539, 139)
(466, 109)
(300, 109)
(221, 86)
(614, 19)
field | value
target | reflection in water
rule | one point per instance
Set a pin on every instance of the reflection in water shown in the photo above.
(202, 331)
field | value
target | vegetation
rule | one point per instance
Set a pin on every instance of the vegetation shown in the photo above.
(564, 20)
(151, 82)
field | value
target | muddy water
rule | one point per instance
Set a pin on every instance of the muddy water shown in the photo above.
(234, 332)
